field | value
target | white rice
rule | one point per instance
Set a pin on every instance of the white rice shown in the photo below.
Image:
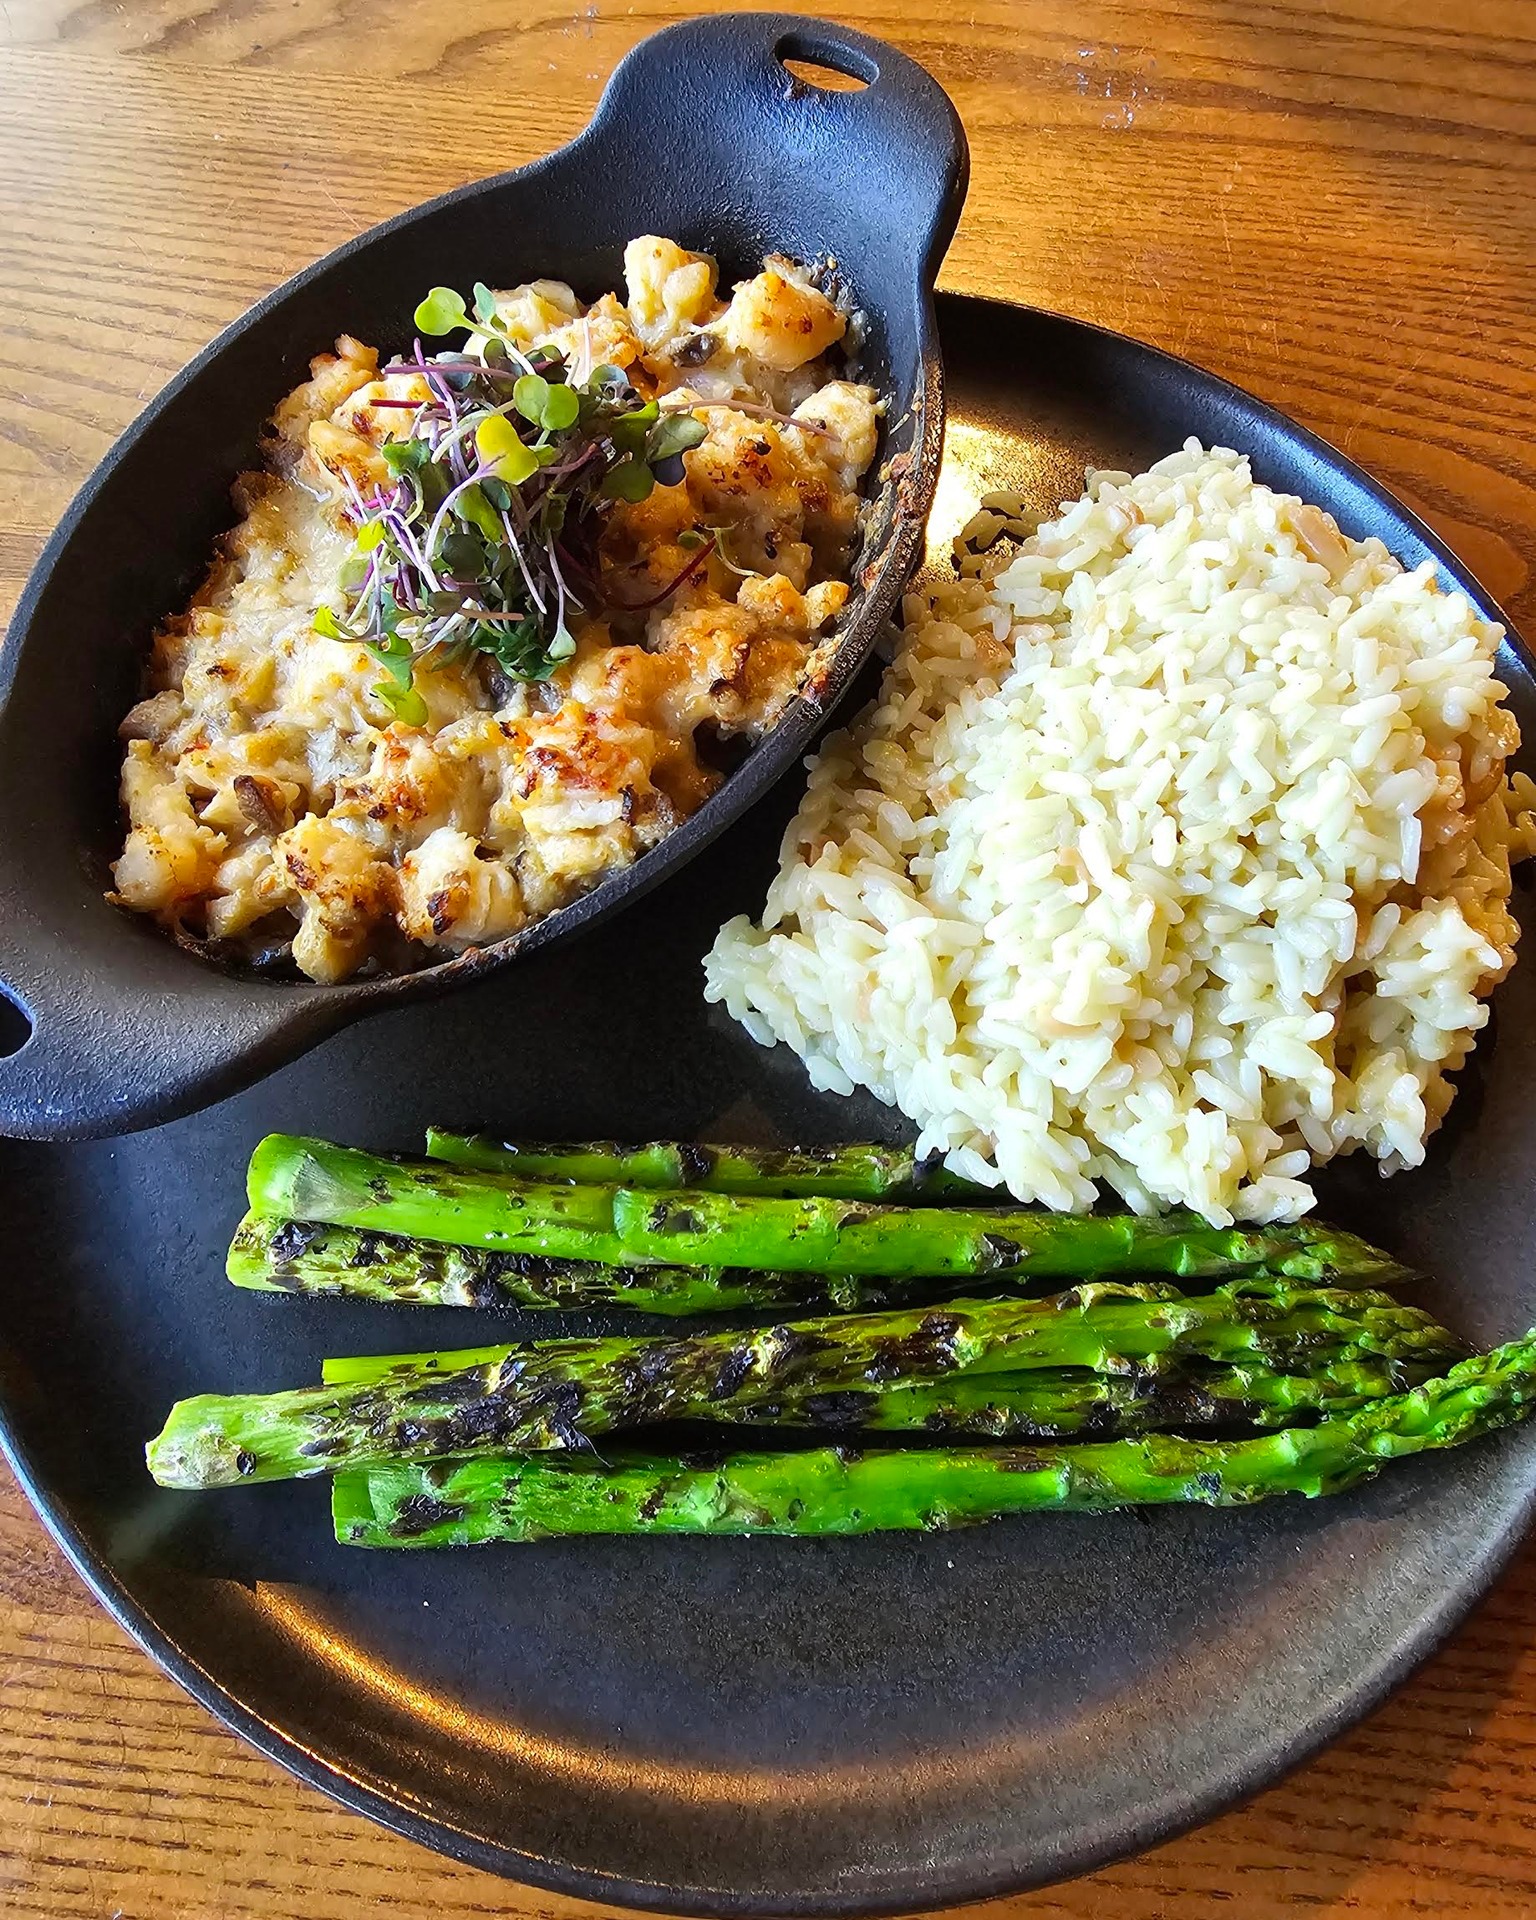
(1177, 858)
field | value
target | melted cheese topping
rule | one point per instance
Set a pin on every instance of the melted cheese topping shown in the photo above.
(274, 803)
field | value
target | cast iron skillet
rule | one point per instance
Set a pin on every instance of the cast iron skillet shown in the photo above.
(702, 134)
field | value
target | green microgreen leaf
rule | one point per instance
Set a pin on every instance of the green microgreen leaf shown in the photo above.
(530, 396)
(497, 492)
(390, 647)
(629, 480)
(517, 465)
(433, 485)
(394, 653)
(500, 445)
(405, 456)
(441, 311)
(369, 534)
(388, 639)
(463, 553)
(629, 431)
(485, 302)
(495, 435)
(561, 408)
(517, 647)
(674, 433)
(405, 703)
(475, 510)
(327, 625)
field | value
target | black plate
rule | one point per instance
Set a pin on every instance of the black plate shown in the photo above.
(750, 1726)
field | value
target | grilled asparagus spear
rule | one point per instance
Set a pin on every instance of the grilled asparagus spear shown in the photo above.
(831, 1490)
(821, 1235)
(557, 1393)
(301, 1179)
(624, 1226)
(1046, 1404)
(1063, 1404)
(273, 1254)
(862, 1171)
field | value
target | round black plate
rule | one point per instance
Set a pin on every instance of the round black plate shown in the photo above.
(750, 1726)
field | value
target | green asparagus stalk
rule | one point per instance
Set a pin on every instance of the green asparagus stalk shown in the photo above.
(1061, 1404)
(302, 1179)
(271, 1254)
(862, 1171)
(558, 1393)
(623, 1226)
(820, 1235)
(1048, 1404)
(832, 1490)
(275, 1255)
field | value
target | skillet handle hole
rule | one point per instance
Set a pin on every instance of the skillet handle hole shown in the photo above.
(824, 66)
(15, 1025)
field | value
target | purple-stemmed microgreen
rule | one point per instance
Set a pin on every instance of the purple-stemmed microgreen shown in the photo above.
(714, 540)
(753, 410)
(483, 536)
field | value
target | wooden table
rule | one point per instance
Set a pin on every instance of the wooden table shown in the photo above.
(1335, 206)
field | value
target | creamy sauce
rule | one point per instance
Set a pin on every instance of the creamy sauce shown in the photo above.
(274, 803)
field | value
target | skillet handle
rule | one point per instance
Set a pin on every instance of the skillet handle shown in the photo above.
(891, 156)
(116, 1042)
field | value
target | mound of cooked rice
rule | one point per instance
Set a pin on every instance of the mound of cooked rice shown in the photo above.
(1175, 857)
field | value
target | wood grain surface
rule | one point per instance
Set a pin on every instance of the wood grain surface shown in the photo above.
(1332, 202)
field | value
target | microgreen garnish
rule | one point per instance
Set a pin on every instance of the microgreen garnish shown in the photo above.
(715, 538)
(441, 311)
(485, 537)
(702, 544)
